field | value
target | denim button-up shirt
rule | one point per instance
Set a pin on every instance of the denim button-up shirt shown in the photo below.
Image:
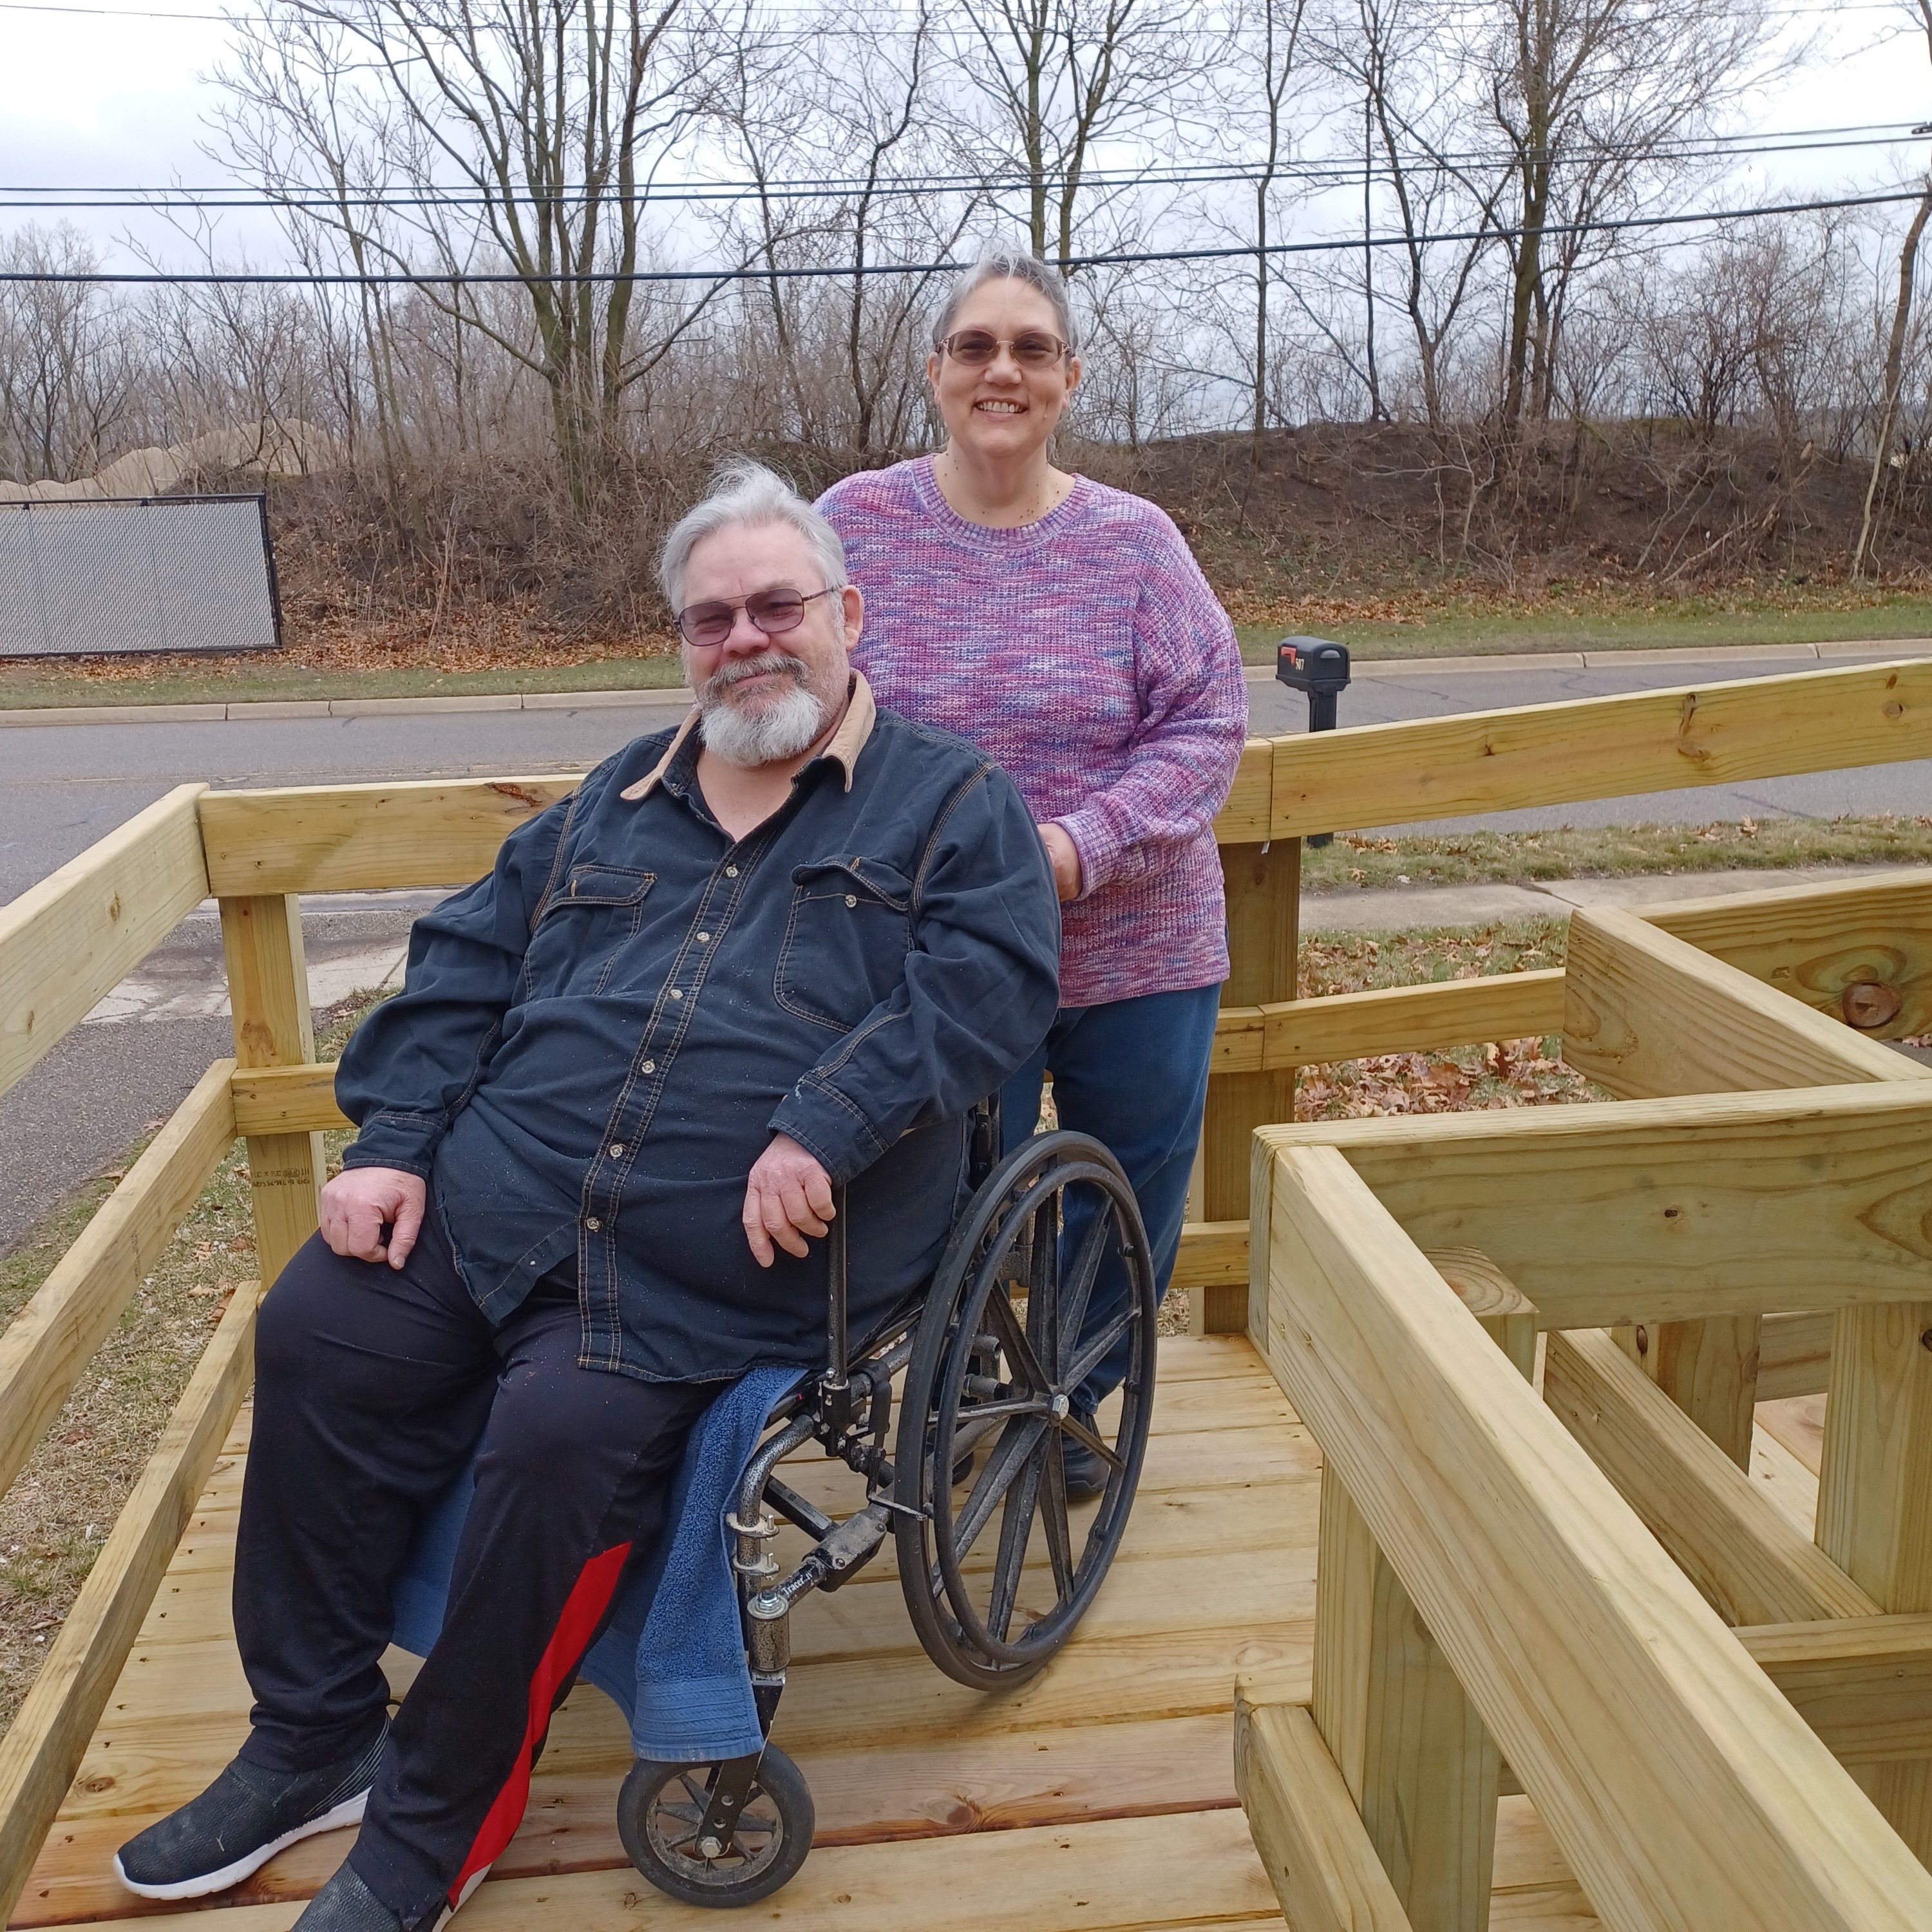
(594, 1044)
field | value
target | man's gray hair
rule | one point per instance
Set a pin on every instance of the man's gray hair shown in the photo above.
(746, 495)
(1005, 263)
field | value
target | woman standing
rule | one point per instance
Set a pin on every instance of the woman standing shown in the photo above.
(1065, 628)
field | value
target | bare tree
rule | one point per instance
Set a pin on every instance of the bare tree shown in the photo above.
(529, 133)
(1895, 350)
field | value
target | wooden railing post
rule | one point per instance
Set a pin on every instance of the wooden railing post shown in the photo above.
(268, 989)
(1264, 891)
(1875, 1500)
(1423, 1771)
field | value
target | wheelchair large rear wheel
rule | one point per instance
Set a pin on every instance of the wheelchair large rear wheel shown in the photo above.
(997, 1563)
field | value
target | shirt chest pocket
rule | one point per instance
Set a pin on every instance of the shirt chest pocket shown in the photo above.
(583, 928)
(846, 941)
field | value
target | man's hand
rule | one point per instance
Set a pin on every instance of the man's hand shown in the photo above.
(788, 1196)
(1064, 857)
(359, 1200)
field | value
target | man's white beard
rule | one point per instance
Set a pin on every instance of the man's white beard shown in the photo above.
(781, 727)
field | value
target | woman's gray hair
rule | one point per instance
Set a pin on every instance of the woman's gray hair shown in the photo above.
(744, 494)
(1007, 264)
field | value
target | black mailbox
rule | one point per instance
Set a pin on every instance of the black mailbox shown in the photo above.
(1319, 669)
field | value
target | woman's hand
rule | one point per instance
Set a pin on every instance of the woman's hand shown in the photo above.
(1064, 857)
(788, 1198)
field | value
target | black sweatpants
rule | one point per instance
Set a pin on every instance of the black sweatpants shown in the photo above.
(373, 1386)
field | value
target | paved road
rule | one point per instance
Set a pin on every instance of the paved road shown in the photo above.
(64, 787)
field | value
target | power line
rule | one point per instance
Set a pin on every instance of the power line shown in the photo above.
(460, 278)
(302, 196)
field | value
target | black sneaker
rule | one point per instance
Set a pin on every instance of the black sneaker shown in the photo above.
(346, 1904)
(240, 1822)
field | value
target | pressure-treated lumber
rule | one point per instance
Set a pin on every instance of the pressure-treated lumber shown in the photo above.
(1794, 1354)
(1639, 1211)
(40, 1753)
(76, 935)
(1752, 1565)
(1214, 1255)
(1859, 949)
(1682, 1789)
(1263, 886)
(1317, 1854)
(330, 839)
(1243, 819)
(1414, 1757)
(1646, 1014)
(1486, 761)
(45, 1346)
(286, 1099)
(1874, 1484)
(1394, 1019)
(274, 1026)
(1864, 1685)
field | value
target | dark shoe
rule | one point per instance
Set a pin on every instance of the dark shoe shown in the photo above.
(240, 1822)
(346, 1904)
(1087, 1471)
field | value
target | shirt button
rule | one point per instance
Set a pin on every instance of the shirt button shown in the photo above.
(616, 1150)
(591, 1222)
(704, 939)
(730, 871)
(851, 898)
(677, 992)
(650, 1066)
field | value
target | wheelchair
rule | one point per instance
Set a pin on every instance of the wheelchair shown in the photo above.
(986, 1359)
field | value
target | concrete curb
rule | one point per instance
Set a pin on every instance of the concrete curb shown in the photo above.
(270, 710)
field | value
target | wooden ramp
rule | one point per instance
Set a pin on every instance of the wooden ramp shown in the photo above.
(1099, 1796)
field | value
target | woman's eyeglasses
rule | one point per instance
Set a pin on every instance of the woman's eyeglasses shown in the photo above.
(774, 612)
(975, 348)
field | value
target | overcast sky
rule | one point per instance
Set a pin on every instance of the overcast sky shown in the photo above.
(104, 97)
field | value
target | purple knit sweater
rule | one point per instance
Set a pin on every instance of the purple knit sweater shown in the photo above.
(1087, 654)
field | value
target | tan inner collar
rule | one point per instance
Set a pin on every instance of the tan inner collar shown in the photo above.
(845, 744)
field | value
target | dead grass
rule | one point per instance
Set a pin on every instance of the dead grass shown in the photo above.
(1360, 860)
(54, 1519)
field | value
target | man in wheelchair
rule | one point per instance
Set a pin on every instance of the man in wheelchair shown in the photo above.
(780, 949)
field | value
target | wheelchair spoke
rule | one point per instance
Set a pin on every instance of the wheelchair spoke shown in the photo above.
(985, 1412)
(1019, 1350)
(1042, 1304)
(1079, 1431)
(1078, 1286)
(1015, 1533)
(1053, 1517)
(1017, 1442)
(1095, 1353)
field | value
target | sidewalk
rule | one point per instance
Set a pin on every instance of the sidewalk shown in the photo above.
(30, 717)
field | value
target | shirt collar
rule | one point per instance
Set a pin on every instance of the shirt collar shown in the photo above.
(845, 744)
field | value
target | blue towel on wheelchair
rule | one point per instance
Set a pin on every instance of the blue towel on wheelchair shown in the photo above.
(672, 1656)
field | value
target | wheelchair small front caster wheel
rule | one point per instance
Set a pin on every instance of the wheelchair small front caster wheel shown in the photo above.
(661, 1813)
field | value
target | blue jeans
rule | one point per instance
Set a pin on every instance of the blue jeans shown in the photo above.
(1133, 1073)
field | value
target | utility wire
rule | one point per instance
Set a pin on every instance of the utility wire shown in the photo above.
(303, 195)
(461, 278)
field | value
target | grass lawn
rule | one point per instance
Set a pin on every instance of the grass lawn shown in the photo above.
(1356, 859)
(1603, 625)
(1418, 624)
(250, 679)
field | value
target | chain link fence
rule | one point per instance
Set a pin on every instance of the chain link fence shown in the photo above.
(125, 577)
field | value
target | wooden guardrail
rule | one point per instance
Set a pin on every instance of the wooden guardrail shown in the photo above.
(68, 941)
(1551, 1582)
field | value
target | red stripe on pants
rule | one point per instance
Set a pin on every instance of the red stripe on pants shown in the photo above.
(582, 1611)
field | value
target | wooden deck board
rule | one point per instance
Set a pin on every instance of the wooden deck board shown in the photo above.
(909, 1770)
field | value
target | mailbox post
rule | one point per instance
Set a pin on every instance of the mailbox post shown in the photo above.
(1319, 669)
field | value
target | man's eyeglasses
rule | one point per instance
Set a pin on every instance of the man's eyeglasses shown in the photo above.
(774, 612)
(975, 348)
